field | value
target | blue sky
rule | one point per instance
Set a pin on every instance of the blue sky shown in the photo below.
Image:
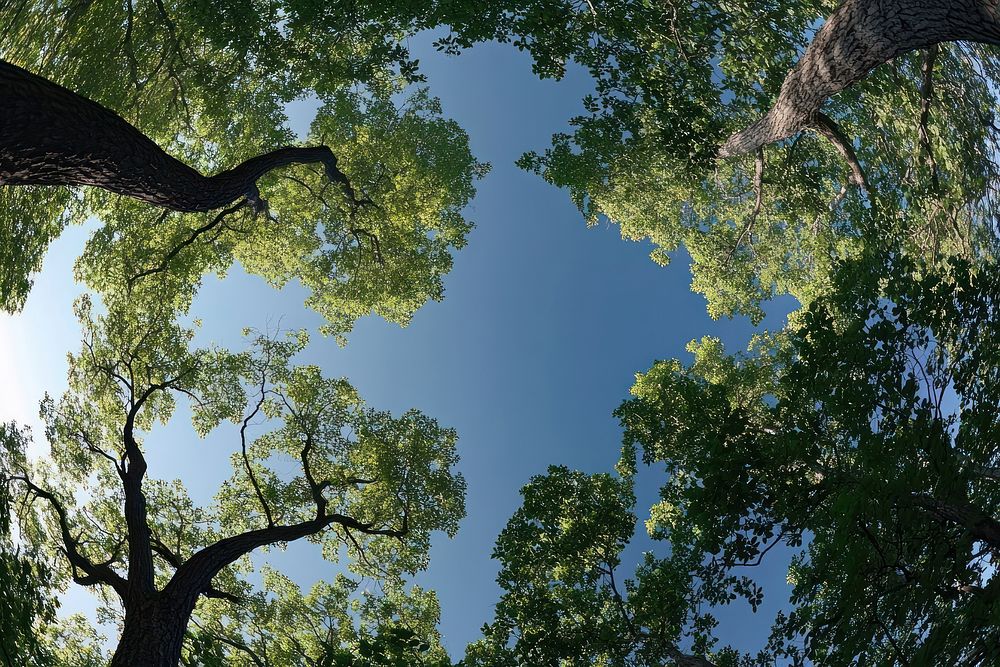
(543, 326)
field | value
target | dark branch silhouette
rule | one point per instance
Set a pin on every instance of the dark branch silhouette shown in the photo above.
(51, 136)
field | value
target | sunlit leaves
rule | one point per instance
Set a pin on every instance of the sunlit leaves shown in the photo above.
(394, 474)
(307, 452)
(26, 606)
(673, 78)
(214, 99)
(30, 219)
(562, 604)
(338, 623)
(412, 173)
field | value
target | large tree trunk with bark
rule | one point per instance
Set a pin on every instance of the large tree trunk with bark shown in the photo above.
(154, 632)
(51, 136)
(859, 36)
(155, 621)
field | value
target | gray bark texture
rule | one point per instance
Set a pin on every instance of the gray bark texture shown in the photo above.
(51, 136)
(858, 37)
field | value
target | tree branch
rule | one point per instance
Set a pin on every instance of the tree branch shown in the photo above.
(175, 561)
(858, 37)
(926, 97)
(832, 132)
(243, 443)
(196, 573)
(84, 143)
(684, 660)
(979, 525)
(141, 572)
(987, 472)
(758, 188)
(95, 573)
(163, 265)
(233, 643)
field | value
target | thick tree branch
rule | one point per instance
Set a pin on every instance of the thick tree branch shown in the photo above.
(978, 524)
(197, 572)
(842, 143)
(859, 36)
(988, 472)
(175, 561)
(94, 573)
(141, 572)
(316, 488)
(52, 136)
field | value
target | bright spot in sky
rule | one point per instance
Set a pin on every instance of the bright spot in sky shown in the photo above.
(14, 401)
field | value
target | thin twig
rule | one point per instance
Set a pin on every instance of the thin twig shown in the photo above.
(832, 133)
(758, 187)
(186, 242)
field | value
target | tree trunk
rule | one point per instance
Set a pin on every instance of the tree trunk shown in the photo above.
(859, 36)
(979, 525)
(154, 632)
(52, 136)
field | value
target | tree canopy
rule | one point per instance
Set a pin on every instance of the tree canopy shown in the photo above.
(830, 151)
(370, 487)
(380, 242)
(913, 139)
(858, 443)
(860, 440)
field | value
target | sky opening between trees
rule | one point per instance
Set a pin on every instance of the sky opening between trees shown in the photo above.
(239, 204)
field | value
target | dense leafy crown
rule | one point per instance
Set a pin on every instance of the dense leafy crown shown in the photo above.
(861, 442)
(216, 101)
(369, 489)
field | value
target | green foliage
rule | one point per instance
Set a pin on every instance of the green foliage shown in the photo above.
(565, 601)
(333, 625)
(388, 256)
(30, 219)
(859, 441)
(413, 172)
(672, 80)
(25, 606)
(209, 82)
(862, 438)
(214, 107)
(75, 643)
(370, 487)
(562, 604)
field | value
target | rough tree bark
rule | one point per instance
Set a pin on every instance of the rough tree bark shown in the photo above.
(859, 36)
(51, 136)
(155, 621)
